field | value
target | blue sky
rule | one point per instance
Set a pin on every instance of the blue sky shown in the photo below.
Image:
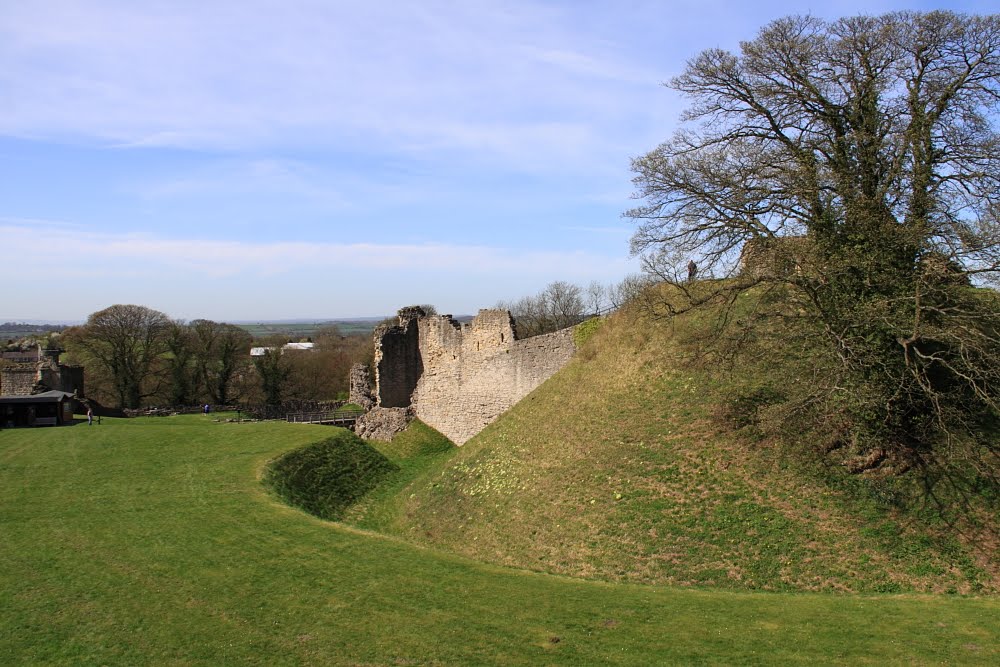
(259, 159)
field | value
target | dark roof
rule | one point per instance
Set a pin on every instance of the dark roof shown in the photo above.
(46, 397)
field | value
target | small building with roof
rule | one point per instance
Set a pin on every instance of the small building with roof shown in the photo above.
(50, 408)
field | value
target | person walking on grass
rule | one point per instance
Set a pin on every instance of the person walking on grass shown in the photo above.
(90, 416)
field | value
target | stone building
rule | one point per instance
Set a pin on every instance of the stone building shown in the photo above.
(458, 377)
(34, 372)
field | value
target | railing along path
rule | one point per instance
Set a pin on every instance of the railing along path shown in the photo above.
(334, 417)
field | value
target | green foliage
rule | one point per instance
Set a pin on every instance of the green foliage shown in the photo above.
(325, 478)
(585, 330)
(123, 343)
(274, 370)
(849, 168)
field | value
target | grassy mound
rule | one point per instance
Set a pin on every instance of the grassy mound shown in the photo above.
(619, 468)
(325, 478)
(413, 453)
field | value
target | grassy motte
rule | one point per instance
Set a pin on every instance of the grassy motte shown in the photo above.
(623, 467)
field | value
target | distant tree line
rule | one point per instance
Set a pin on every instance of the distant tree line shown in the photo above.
(136, 356)
(20, 336)
(562, 304)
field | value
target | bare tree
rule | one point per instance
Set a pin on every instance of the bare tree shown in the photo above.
(630, 288)
(597, 298)
(558, 306)
(125, 341)
(854, 167)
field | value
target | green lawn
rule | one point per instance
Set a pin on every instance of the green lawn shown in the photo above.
(151, 541)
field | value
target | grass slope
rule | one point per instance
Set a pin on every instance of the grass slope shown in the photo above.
(325, 478)
(413, 452)
(614, 469)
(152, 541)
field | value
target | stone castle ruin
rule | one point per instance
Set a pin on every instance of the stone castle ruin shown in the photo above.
(457, 377)
(25, 373)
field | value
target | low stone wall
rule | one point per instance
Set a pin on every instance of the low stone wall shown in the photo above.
(383, 423)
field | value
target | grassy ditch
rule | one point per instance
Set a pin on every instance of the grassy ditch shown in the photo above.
(414, 453)
(152, 541)
(327, 477)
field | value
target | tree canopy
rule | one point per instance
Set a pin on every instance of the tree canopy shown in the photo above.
(125, 341)
(851, 167)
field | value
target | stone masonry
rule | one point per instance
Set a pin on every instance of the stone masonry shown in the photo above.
(361, 386)
(383, 423)
(463, 376)
(397, 360)
(18, 380)
(24, 379)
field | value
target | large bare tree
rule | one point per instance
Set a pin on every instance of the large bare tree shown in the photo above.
(125, 341)
(556, 307)
(854, 166)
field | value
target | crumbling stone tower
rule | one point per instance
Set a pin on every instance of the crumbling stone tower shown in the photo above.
(457, 377)
(398, 366)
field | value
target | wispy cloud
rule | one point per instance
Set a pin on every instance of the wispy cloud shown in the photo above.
(240, 279)
(30, 223)
(510, 83)
(253, 175)
(73, 253)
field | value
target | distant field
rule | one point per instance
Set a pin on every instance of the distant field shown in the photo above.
(151, 541)
(15, 330)
(291, 329)
(308, 329)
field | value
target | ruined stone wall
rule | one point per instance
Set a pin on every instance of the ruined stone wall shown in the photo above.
(383, 423)
(18, 379)
(361, 386)
(71, 380)
(474, 373)
(21, 379)
(458, 378)
(397, 360)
